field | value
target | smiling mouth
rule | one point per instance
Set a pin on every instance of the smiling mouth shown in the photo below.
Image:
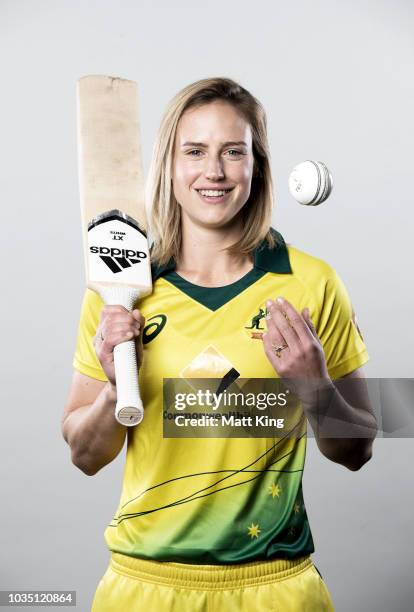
(214, 196)
(213, 192)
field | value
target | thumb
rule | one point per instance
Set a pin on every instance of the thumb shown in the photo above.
(138, 316)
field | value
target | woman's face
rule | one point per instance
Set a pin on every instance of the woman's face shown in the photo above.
(213, 151)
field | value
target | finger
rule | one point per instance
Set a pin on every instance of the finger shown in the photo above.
(309, 322)
(295, 319)
(269, 346)
(114, 338)
(97, 339)
(273, 334)
(285, 328)
(138, 316)
(119, 315)
(121, 327)
(118, 322)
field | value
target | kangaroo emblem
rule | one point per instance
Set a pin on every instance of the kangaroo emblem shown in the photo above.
(256, 320)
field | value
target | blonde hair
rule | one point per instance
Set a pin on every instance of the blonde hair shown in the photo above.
(164, 210)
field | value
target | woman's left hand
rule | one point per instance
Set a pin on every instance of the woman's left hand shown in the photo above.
(300, 357)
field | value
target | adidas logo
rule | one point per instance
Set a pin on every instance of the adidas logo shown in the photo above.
(118, 259)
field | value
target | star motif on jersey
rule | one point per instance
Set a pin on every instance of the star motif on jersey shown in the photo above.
(291, 531)
(274, 490)
(296, 508)
(254, 531)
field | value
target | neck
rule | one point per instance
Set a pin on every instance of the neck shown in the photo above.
(202, 259)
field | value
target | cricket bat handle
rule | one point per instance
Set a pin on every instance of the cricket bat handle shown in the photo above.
(129, 410)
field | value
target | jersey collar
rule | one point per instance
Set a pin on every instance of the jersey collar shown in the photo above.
(265, 258)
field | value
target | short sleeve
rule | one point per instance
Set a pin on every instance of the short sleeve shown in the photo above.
(342, 341)
(85, 359)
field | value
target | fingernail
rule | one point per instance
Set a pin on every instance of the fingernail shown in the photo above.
(280, 299)
(269, 303)
(264, 335)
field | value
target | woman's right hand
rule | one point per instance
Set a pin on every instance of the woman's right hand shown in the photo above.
(117, 325)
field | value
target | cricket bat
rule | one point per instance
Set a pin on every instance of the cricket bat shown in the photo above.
(112, 197)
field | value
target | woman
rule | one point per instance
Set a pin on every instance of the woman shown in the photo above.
(216, 523)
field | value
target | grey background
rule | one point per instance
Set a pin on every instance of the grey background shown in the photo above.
(336, 79)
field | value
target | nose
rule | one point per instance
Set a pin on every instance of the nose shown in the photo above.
(213, 168)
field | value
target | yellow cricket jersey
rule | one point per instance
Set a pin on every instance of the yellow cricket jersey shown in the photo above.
(220, 500)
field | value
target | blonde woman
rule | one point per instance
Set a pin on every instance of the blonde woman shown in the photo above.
(216, 523)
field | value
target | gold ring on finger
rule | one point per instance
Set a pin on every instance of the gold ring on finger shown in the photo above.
(278, 349)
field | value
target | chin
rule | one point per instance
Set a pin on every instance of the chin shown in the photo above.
(218, 222)
(213, 218)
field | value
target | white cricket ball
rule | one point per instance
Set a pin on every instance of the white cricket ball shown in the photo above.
(310, 183)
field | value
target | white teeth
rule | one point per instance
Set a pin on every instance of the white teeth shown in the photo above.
(210, 192)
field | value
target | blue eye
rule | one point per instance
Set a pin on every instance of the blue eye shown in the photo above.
(229, 151)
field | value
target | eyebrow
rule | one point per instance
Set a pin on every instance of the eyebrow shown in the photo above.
(202, 144)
